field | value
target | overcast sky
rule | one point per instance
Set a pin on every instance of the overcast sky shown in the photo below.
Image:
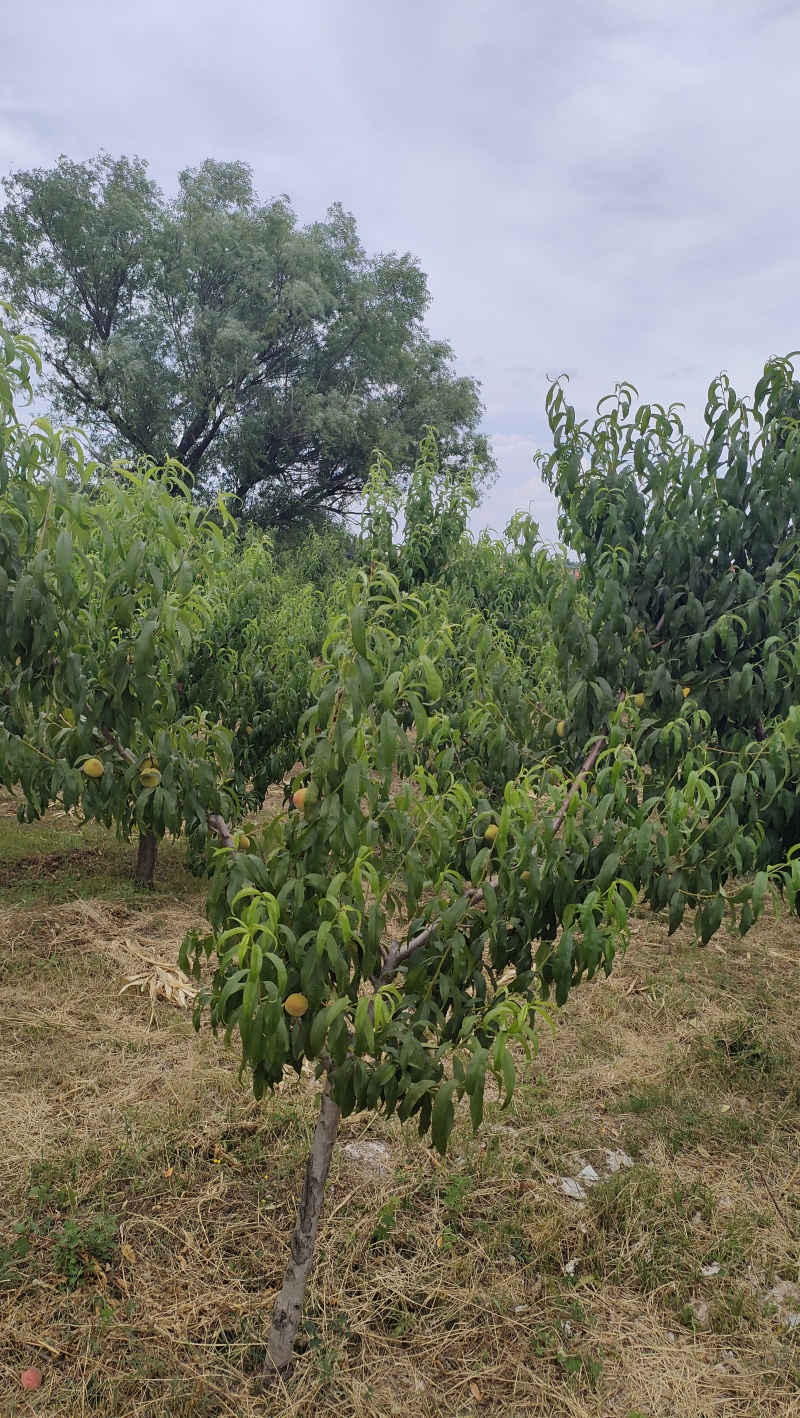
(603, 187)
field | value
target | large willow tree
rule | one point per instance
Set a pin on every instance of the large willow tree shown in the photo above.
(268, 358)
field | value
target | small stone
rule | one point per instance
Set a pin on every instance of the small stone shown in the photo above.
(371, 1156)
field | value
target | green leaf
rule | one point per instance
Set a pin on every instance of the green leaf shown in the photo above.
(443, 1115)
(475, 1083)
(509, 1075)
(433, 679)
(351, 788)
(358, 631)
(323, 1022)
(608, 871)
(479, 864)
(364, 1032)
(62, 553)
(323, 754)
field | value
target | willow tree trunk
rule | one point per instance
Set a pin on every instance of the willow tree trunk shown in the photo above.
(289, 1304)
(146, 860)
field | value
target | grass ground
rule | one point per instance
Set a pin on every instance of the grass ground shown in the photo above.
(146, 1201)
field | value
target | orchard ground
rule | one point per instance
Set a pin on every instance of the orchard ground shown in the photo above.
(157, 1199)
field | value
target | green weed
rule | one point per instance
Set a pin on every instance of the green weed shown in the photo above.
(81, 1243)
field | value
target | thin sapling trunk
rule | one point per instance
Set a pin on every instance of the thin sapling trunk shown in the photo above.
(289, 1304)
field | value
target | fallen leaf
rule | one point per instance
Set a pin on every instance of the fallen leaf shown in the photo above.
(128, 1253)
(475, 1391)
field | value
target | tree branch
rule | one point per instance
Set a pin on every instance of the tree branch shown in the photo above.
(398, 954)
(218, 824)
(115, 743)
(586, 768)
(100, 402)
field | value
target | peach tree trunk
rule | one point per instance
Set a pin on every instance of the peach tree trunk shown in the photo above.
(289, 1304)
(146, 860)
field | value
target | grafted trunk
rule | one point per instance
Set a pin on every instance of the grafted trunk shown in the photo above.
(289, 1304)
(146, 860)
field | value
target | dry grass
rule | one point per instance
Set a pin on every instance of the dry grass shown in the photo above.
(471, 1286)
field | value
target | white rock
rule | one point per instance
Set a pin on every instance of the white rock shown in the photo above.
(371, 1156)
(709, 1270)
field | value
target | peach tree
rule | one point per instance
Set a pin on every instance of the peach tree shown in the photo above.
(100, 572)
(382, 929)
(253, 661)
(405, 925)
(689, 604)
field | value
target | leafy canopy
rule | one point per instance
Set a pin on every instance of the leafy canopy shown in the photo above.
(101, 599)
(690, 597)
(458, 856)
(269, 359)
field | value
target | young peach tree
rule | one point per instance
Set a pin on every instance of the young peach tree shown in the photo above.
(405, 925)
